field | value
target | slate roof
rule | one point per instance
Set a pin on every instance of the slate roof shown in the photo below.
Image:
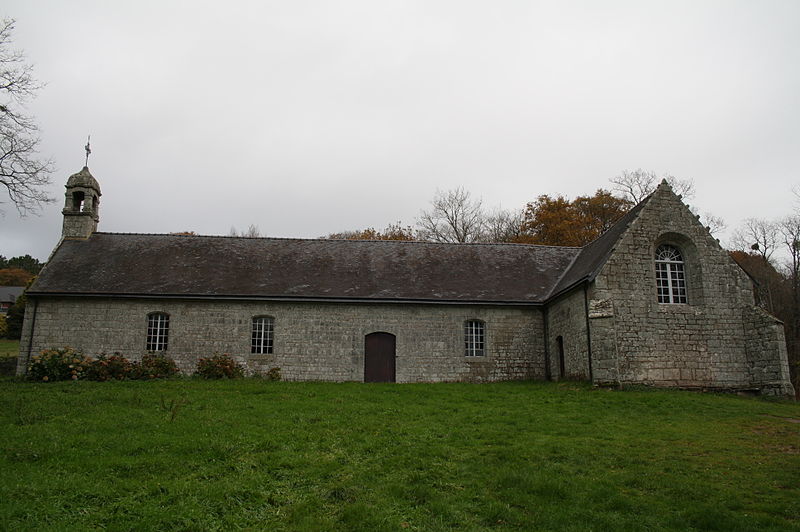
(9, 294)
(189, 266)
(278, 268)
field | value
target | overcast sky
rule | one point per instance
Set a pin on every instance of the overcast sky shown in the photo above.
(309, 117)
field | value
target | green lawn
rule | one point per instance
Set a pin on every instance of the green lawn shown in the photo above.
(9, 348)
(305, 456)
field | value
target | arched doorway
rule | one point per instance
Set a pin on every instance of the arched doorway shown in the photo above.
(379, 357)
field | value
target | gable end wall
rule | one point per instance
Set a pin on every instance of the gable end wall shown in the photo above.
(712, 341)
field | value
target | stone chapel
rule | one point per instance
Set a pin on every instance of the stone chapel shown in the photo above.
(654, 300)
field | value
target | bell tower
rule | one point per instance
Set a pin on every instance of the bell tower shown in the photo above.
(81, 206)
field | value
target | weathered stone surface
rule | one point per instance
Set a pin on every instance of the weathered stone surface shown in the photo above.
(719, 339)
(566, 318)
(81, 206)
(313, 341)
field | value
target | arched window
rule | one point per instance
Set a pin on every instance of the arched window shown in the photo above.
(670, 275)
(262, 333)
(474, 338)
(157, 331)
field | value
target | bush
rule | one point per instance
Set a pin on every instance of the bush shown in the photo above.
(274, 374)
(154, 366)
(106, 368)
(14, 319)
(68, 364)
(59, 365)
(219, 367)
(3, 326)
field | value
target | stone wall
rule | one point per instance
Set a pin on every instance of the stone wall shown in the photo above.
(313, 341)
(765, 338)
(704, 343)
(566, 318)
(605, 369)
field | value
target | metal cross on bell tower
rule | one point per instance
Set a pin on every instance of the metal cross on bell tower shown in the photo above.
(88, 150)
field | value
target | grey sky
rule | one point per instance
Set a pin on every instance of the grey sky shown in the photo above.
(312, 117)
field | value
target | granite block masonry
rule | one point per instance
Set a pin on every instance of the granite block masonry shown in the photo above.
(612, 312)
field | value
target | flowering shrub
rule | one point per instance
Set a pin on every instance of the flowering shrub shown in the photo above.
(59, 365)
(68, 364)
(153, 366)
(219, 367)
(105, 368)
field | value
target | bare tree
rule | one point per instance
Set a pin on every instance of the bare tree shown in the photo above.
(757, 235)
(453, 217)
(251, 232)
(789, 229)
(682, 187)
(714, 224)
(636, 185)
(23, 172)
(503, 225)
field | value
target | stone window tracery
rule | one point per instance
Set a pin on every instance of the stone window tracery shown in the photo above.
(474, 338)
(670, 275)
(157, 331)
(262, 335)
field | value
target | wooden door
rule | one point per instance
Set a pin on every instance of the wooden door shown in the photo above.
(379, 357)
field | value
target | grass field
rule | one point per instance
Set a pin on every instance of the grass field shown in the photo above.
(9, 348)
(196, 455)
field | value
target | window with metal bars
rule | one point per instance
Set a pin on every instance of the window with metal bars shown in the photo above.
(157, 331)
(262, 335)
(474, 338)
(670, 275)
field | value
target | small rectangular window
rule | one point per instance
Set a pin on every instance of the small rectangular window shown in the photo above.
(474, 344)
(261, 337)
(157, 331)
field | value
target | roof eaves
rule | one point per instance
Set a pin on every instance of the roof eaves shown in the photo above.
(309, 299)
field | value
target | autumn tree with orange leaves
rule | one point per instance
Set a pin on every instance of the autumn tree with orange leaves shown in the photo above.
(392, 232)
(14, 277)
(561, 222)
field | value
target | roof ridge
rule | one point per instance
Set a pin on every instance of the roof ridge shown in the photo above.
(318, 239)
(198, 265)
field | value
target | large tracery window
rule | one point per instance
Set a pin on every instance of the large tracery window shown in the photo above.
(261, 337)
(157, 331)
(670, 275)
